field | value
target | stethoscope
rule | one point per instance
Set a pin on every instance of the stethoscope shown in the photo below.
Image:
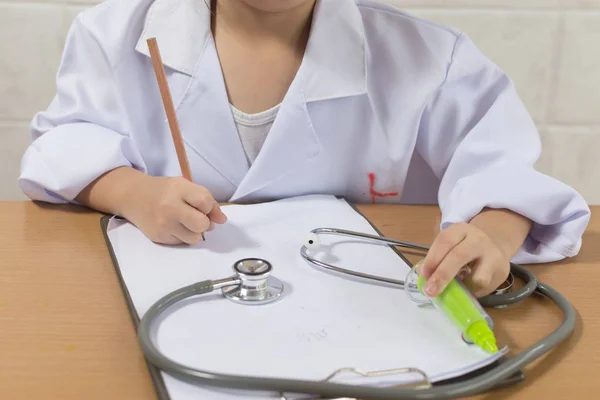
(252, 283)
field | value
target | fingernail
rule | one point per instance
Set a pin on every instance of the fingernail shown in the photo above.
(431, 289)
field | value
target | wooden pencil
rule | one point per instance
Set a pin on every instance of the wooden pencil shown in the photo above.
(167, 100)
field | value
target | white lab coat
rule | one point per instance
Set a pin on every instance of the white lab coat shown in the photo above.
(380, 95)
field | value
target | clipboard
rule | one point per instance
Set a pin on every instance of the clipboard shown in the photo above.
(156, 375)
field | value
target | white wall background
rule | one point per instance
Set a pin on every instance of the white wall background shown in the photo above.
(551, 49)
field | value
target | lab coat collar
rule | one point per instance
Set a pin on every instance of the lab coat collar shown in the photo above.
(334, 64)
(181, 29)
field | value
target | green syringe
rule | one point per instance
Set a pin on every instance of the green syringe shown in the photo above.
(462, 309)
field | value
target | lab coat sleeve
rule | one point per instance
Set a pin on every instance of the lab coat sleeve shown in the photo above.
(83, 133)
(480, 141)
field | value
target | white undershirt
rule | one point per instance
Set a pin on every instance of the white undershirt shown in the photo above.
(253, 129)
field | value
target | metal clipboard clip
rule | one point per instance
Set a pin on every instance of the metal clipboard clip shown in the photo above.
(423, 383)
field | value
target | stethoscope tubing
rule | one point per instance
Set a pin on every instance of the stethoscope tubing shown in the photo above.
(493, 300)
(469, 387)
(506, 299)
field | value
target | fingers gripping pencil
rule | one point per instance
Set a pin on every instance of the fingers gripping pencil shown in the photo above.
(165, 93)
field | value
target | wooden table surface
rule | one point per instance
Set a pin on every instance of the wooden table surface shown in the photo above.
(65, 332)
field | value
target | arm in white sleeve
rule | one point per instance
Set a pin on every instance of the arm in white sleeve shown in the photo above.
(84, 132)
(480, 141)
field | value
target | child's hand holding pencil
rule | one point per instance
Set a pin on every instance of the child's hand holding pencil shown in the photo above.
(174, 210)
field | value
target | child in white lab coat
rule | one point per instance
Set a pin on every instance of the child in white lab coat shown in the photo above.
(281, 98)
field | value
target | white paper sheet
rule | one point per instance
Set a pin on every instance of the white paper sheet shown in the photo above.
(323, 322)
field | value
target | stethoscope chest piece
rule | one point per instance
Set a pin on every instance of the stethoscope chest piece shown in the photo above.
(257, 286)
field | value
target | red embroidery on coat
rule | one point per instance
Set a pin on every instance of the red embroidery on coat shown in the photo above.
(374, 193)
